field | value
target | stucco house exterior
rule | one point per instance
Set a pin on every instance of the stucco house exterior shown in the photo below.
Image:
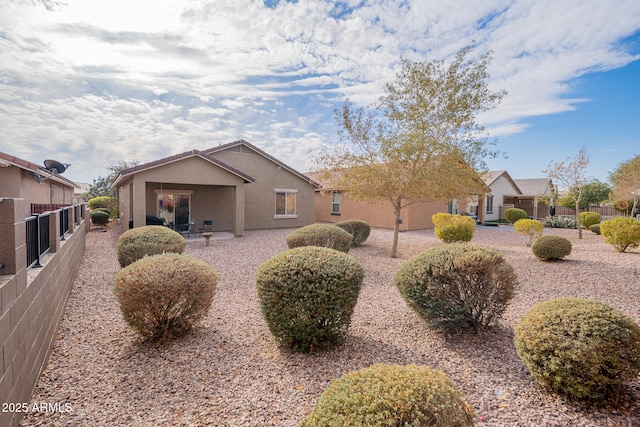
(237, 185)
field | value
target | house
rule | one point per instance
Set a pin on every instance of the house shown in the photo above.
(42, 240)
(237, 185)
(527, 194)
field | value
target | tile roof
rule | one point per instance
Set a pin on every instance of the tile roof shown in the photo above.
(9, 160)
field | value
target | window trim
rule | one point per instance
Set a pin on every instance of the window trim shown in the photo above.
(334, 204)
(489, 205)
(286, 192)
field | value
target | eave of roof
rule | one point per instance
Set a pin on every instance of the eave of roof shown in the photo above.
(10, 160)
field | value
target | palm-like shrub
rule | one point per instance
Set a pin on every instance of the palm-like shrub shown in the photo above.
(360, 230)
(149, 240)
(321, 235)
(531, 229)
(621, 232)
(307, 296)
(587, 219)
(551, 248)
(580, 348)
(457, 286)
(453, 228)
(514, 214)
(164, 296)
(391, 395)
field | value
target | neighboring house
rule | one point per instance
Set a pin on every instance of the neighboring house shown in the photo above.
(42, 240)
(505, 193)
(237, 186)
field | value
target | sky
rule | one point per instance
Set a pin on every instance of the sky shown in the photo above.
(93, 82)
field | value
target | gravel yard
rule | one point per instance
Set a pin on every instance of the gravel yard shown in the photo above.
(230, 372)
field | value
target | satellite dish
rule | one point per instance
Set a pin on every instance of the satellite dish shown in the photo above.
(55, 167)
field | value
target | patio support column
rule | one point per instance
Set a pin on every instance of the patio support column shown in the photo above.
(238, 229)
(139, 202)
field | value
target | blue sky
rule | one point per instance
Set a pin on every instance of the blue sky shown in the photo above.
(92, 83)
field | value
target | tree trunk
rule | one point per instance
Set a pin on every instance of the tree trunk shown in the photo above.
(397, 208)
(578, 219)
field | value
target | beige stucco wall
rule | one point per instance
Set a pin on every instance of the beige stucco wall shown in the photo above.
(499, 188)
(260, 195)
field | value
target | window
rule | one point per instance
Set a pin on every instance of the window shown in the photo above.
(489, 204)
(285, 203)
(335, 204)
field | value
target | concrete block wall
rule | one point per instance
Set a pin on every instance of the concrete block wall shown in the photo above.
(32, 303)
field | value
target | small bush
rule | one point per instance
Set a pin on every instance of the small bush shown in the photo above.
(530, 228)
(164, 296)
(621, 232)
(580, 348)
(322, 235)
(595, 228)
(360, 230)
(307, 296)
(587, 219)
(106, 202)
(453, 228)
(149, 240)
(559, 222)
(514, 214)
(105, 210)
(457, 286)
(551, 248)
(99, 217)
(391, 395)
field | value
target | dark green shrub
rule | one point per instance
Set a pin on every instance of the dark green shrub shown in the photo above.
(164, 296)
(149, 240)
(551, 248)
(580, 348)
(106, 202)
(307, 296)
(457, 286)
(99, 217)
(587, 219)
(621, 232)
(360, 230)
(595, 228)
(105, 210)
(391, 395)
(514, 214)
(531, 229)
(322, 235)
(453, 228)
(559, 222)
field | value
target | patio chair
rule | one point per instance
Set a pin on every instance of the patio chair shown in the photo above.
(207, 226)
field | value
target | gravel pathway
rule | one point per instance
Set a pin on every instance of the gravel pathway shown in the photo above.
(230, 372)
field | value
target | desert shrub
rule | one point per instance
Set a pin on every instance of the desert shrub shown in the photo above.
(514, 214)
(105, 210)
(580, 348)
(457, 286)
(587, 219)
(149, 240)
(595, 228)
(307, 296)
(621, 232)
(107, 202)
(453, 228)
(360, 230)
(559, 222)
(322, 235)
(551, 248)
(530, 228)
(391, 395)
(99, 217)
(164, 296)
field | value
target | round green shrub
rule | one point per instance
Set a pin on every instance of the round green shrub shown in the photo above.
(551, 248)
(457, 286)
(322, 235)
(453, 228)
(391, 395)
(307, 296)
(530, 228)
(595, 228)
(587, 219)
(360, 230)
(514, 214)
(148, 240)
(580, 348)
(164, 296)
(105, 210)
(106, 202)
(99, 217)
(621, 232)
